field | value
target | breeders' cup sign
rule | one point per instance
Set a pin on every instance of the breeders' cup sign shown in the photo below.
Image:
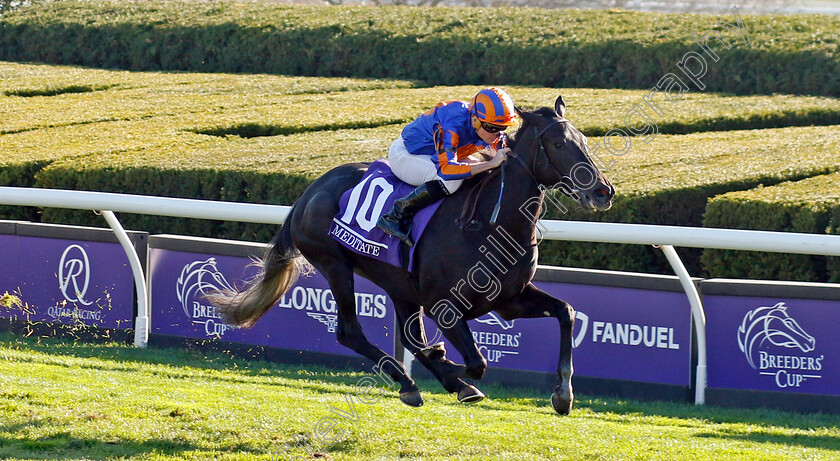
(305, 318)
(773, 328)
(620, 333)
(197, 279)
(81, 283)
(772, 344)
(531, 344)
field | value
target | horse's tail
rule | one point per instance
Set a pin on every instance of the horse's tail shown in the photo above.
(279, 269)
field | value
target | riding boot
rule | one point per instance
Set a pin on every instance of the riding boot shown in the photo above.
(397, 221)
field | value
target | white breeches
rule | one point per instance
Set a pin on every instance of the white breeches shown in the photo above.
(416, 169)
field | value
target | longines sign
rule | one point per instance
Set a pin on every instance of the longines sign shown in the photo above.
(305, 318)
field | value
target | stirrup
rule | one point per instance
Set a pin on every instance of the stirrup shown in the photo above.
(387, 226)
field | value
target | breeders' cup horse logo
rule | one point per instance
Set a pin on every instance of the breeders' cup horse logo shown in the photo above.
(773, 325)
(74, 274)
(491, 318)
(197, 279)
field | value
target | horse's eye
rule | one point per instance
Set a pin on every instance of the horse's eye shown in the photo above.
(560, 145)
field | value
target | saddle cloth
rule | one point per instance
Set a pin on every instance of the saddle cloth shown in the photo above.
(360, 207)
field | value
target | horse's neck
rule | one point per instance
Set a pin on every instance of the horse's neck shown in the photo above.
(522, 202)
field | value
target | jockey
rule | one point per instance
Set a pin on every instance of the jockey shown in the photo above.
(434, 151)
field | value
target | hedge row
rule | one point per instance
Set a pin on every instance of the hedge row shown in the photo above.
(670, 181)
(811, 206)
(140, 128)
(273, 170)
(268, 105)
(449, 46)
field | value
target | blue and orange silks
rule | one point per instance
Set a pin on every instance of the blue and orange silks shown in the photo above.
(445, 133)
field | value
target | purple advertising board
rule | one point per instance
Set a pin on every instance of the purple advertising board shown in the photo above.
(8, 278)
(75, 282)
(620, 333)
(305, 318)
(629, 334)
(773, 343)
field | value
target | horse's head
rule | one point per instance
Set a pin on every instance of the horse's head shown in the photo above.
(555, 152)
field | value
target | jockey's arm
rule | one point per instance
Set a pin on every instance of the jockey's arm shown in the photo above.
(450, 168)
(481, 167)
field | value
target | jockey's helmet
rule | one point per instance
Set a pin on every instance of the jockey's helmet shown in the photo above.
(494, 106)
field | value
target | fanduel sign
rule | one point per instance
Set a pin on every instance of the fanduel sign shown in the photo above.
(620, 333)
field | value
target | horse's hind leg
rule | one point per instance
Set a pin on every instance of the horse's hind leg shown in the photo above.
(326, 255)
(349, 332)
(413, 337)
(535, 303)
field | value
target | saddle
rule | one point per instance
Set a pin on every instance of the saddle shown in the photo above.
(354, 226)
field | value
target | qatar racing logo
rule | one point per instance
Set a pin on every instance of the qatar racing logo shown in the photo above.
(196, 280)
(772, 328)
(74, 274)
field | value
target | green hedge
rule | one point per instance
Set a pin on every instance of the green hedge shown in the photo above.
(811, 206)
(274, 170)
(142, 133)
(670, 181)
(132, 110)
(833, 265)
(449, 46)
(266, 105)
(668, 184)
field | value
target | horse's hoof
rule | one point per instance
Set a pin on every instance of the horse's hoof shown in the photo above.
(412, 398)
(562, 403)
(470, 394)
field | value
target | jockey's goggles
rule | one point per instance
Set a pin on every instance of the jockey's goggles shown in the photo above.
(490, 128)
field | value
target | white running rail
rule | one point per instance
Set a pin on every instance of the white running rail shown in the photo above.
(664, 237)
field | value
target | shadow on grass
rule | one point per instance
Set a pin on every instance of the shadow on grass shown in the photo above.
(770, 422)
(63, 445)
(825, 442)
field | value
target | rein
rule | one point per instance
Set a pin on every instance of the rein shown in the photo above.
(468, 212)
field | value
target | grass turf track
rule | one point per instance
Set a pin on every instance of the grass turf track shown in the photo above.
(62, 399)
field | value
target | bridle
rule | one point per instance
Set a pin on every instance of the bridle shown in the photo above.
(542, 151)
(530, 171)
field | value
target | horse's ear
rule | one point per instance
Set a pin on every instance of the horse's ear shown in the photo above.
(560, 106)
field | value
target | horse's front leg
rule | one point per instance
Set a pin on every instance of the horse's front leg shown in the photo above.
(535, 303)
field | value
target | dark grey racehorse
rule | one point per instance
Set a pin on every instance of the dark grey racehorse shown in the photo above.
(447, 280)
